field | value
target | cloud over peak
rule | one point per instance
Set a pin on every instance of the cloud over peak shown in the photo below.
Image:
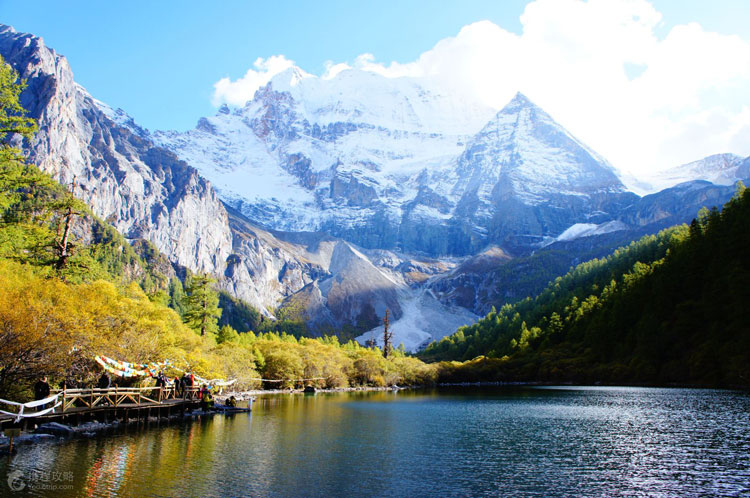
(597, 66)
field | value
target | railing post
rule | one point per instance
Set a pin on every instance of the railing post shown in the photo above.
(63, 400)
(116, 396)
(91, 398)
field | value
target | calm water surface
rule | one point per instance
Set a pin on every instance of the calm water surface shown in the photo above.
(492, 442)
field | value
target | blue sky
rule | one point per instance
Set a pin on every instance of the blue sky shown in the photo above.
(158, 60)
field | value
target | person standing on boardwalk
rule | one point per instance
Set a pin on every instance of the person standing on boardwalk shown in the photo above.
(41, 389)
(185, 384)
(207, 401)
(104, 381)
(161, 381)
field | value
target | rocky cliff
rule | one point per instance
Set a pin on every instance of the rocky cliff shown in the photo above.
(145, 191)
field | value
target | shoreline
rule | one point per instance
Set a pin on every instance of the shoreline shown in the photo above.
(55, 432)
(244, 395)
(673, 385)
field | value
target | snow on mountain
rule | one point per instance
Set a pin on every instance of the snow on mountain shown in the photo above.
(534, 156)
(589, 229)
(720, 169)
(396, 163)
(306, 150)
(524, 178)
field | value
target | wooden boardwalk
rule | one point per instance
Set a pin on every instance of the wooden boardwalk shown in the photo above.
(115, 403)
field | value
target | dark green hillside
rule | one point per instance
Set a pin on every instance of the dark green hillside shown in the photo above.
(668, 308)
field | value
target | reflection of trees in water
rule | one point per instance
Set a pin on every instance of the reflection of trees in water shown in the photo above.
(109, 471)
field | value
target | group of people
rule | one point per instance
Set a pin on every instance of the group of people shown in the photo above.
(182, 386)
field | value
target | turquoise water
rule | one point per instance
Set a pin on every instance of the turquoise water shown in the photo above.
(490, 442)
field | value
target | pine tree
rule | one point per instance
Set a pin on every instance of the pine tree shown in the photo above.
(201, 304)
(227, 334)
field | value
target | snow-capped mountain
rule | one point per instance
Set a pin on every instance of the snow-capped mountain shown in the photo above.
(390, 163)
(306, 153)
(720, 169)
(347, 196)
(524, 178)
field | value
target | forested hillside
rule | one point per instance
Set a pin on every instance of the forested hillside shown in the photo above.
(72, 287)
(667, 308)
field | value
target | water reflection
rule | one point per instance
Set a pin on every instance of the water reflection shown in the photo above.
(521, 442)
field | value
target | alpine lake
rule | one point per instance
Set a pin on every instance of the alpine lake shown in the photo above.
(462, 441)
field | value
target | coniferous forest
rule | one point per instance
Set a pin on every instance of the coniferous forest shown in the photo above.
(669, 308)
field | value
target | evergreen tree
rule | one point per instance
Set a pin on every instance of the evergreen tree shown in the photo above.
(201, 304)
(13, 120)
(35, 211)
(177, 296)
(227, 334)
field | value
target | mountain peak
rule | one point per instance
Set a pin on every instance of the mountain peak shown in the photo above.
(535, 160)
(517, 103)
(520, 98)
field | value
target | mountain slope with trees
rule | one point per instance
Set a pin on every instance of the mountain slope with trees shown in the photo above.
(668, 308)
(72, 287)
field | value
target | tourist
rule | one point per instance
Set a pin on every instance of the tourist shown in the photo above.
(104, 381)
(41, 389)
(206, 398)
(177, 387)
(232, 402)
(161, 382)
(187, 383)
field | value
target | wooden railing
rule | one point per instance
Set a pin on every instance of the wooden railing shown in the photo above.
(122, 396)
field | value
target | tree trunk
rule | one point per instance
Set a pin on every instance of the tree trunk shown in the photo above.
(387, 335)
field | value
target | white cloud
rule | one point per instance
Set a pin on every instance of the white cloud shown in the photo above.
(690, 97)
(241, 90)
(334, 69)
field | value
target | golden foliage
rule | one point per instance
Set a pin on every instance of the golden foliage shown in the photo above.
(51, 327)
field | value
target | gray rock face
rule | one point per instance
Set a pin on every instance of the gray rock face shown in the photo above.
(326, 279)
(143, 190)
(678, 204)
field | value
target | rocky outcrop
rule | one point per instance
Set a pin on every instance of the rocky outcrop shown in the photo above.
(143, 190)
